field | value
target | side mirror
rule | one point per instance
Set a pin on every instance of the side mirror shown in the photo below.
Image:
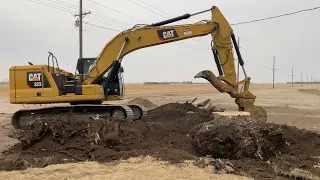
(121, 69)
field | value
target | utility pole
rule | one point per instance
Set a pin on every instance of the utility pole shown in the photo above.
(79, 24)
(292, 76)
(301, 77)
(273, 70)
(81, 16)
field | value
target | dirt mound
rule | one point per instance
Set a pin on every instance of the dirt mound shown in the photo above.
(144, 102)
(238, 138)
(172, 132)
(259, 149)
(163, 134)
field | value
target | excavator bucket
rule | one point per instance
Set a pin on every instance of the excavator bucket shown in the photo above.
(244, 99)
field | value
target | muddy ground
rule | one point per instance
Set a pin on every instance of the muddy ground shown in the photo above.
(169, 133)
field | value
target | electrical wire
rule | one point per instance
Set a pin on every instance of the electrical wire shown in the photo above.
(97, 15)
(146, 8)
(157, 13)
(70, 5)
(68, 11)
(106, 22)
(56, 5)
(154, 7)
(115, 20)
(102, 27)
(63, 4)
(273, 17)
(116, 11)
(44, 4)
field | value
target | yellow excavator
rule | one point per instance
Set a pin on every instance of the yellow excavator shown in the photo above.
(100, 79)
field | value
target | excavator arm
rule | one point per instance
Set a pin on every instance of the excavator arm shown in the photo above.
(223, 42)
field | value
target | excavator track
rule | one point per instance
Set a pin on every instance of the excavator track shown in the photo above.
(81, 112)
(139, 111)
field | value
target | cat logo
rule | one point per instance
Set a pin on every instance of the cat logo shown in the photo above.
(34, 79)
(167, 34)
(34, 76)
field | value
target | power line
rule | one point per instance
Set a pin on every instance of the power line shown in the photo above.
(44, 4)
(101, 20)
(104, 16)
(116, 11)
(62, 9)
(102, 27)
(154, 7)
(64, 4)
(95, 14)
(56, 5)
(146, 8)
(273, 17)
(70, 5)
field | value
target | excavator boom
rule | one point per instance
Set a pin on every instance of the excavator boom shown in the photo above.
(156, 34)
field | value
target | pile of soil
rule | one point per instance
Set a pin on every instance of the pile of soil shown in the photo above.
(144, 102)
(259, 149)
(163, 134)
(237, 138)
(167, 133)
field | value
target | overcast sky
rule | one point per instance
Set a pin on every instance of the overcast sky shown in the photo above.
(29, 30)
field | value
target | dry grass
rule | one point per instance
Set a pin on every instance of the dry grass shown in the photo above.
(133, 169)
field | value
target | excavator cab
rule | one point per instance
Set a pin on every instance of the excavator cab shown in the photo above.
(113, 85)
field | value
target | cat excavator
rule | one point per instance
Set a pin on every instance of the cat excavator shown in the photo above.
(100, 79)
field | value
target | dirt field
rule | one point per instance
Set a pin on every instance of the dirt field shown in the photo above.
(297, 106)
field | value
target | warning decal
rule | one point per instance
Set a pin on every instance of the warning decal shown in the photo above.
(187, 31)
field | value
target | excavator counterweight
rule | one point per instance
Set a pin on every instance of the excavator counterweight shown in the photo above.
(100, 79)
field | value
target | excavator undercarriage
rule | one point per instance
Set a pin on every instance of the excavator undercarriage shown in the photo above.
(24, 117)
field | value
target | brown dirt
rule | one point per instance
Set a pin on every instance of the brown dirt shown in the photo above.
(259, 149)
(164, 134)
(144, 102)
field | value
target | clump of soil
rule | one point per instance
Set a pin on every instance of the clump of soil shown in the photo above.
(172, 132)
(144, 102)
(237, 138)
